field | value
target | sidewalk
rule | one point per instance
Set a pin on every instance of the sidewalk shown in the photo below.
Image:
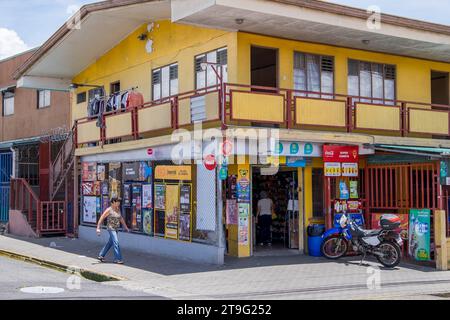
(264, 277)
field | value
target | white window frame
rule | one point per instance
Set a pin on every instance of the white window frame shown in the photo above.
(208, 78)
(44, 98)
(371, 76)
(167, 84)
(8, 102)
(303, 75)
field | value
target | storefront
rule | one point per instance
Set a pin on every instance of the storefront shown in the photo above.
(305, 188)
(161, 203)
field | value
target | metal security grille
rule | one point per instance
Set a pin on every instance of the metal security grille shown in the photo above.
(403, 186)
(206, 199)
(5, 177)
(28, 163)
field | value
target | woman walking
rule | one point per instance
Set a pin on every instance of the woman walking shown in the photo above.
(113, 221)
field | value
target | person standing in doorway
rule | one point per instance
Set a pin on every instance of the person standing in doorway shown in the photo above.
(113, 221)
(264, 218)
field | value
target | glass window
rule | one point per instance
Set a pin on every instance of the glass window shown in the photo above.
(8, 102)
(81, 97)
(115, 87)
(165, 82)
(44, 97)
(373, 82)
(313, 73)
(208, 77)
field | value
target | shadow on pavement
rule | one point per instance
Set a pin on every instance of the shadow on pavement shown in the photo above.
(170, 266)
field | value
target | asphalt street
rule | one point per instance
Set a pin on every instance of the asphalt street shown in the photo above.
(18, 279)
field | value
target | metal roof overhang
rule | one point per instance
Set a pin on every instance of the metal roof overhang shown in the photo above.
(418, 151)
(319, 22)
(103, 25)
(81, 42)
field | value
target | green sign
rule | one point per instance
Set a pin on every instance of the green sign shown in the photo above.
(308, 148)
(419, 234)
(223, 173)
(444, 172)
(279, 148)
(294, 148)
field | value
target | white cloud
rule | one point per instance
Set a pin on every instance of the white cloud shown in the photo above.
(10, 43)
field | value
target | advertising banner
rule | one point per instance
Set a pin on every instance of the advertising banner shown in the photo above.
(185, 227)
(232, 212)
(130, 171)
(347, 154)
(404, 223)
(185, 198)
(160, 196)
(350, 169)
(182, 173)
(90, 209)
(419, 234)
(147, 221)
(101, 172)
(126, 195)
(147, 198)
(89, 171)
(332, 169)
(244, 217)
(243, 186)
(172, 210)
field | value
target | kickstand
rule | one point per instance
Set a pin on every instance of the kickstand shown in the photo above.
(362, 259)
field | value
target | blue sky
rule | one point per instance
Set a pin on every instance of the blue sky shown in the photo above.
(26, 24)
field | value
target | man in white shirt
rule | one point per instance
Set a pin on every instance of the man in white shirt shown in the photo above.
(264, 218)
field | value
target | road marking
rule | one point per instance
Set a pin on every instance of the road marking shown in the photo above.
(42, 290)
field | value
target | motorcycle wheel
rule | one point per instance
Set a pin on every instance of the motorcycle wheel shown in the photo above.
(391, 254)
(334, 247)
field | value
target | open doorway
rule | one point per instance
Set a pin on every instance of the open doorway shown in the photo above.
(440, 88)
(279, 231)
(264, 67)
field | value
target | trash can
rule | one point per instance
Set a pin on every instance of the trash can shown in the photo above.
(315, 232)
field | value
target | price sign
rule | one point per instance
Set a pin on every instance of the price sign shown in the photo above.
(349, 169)
(332, 169)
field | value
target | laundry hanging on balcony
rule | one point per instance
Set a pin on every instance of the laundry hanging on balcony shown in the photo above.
(119, 101)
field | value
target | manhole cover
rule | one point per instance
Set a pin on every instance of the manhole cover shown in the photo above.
(42, 290)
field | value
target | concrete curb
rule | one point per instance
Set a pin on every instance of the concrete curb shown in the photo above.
(88, 274)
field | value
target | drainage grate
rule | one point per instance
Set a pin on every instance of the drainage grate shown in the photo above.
(42, 290)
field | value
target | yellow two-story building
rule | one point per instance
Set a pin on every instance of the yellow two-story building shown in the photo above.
(257, 85)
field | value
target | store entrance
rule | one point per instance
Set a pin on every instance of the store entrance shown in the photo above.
(275, 230)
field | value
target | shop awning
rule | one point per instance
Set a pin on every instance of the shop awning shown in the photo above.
(417, 151)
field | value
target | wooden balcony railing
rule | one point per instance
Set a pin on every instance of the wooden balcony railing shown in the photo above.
(244, 105)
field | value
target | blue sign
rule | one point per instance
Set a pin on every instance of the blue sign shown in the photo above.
(357, 217)
(295, 162)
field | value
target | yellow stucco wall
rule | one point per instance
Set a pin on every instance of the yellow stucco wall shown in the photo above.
(172, 43)
(413, 75)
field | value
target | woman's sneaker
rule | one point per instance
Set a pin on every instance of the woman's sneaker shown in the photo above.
(101, 259)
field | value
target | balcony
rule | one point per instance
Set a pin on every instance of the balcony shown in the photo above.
(243, 105)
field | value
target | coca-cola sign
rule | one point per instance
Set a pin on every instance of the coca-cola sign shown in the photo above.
(347, 154)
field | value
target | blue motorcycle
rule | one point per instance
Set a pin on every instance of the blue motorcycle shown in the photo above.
(385, 243)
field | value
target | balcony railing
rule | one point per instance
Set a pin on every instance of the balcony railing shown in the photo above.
(244, 105)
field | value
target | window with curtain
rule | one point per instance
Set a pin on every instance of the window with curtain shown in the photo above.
(208, 78)
(44, 98)
(314, 73)
(373, 82)
(8, 102)
(165, 81)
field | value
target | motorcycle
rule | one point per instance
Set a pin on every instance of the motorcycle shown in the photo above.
(384, 243)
